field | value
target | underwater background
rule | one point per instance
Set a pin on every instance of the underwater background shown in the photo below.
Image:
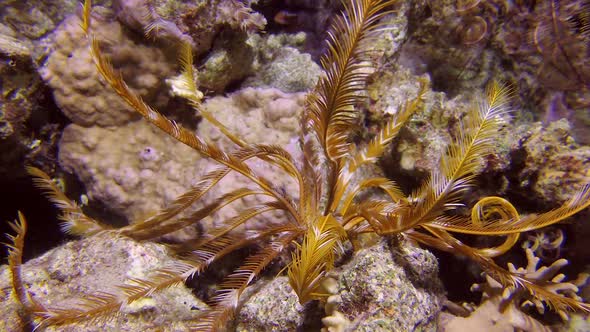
(255, 62)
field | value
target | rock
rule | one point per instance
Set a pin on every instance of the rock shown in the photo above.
(64, 275)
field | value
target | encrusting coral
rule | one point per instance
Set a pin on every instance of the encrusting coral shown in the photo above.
(328, 210)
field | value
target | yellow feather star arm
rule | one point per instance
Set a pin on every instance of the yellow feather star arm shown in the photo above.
(377, 145)
(74, 221)
(462, 162)
(480, 224)
(314, 257)
(186, 87)
(330, 107)
(86, 7)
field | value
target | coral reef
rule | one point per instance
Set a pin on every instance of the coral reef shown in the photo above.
(20, 89)
(273, 180)
(35, 19)
(543, 160)
(540, 47)
(309, 17)
(554, 162)
(196, 22)
(132, 179)
(25, 134)
(217, 28)
(230, 60)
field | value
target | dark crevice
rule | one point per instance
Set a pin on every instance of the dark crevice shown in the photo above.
(43, 229)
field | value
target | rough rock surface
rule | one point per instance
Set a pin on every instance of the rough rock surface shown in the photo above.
(385, 289)
(380, 289)
(62, 276)
(288, 70)
(554, 161)
(274, 307)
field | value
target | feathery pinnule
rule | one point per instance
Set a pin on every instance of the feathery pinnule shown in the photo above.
(330, 107)
(74, 220)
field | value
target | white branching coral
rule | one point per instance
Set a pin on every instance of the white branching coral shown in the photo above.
(549, 276)
(505, 308)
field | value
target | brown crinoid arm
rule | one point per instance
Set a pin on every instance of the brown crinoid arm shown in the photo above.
(541, 290)
(227, 299)
(155, 231)
(458, 168)
(15, 253)
(74, 220)
(330, 112)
